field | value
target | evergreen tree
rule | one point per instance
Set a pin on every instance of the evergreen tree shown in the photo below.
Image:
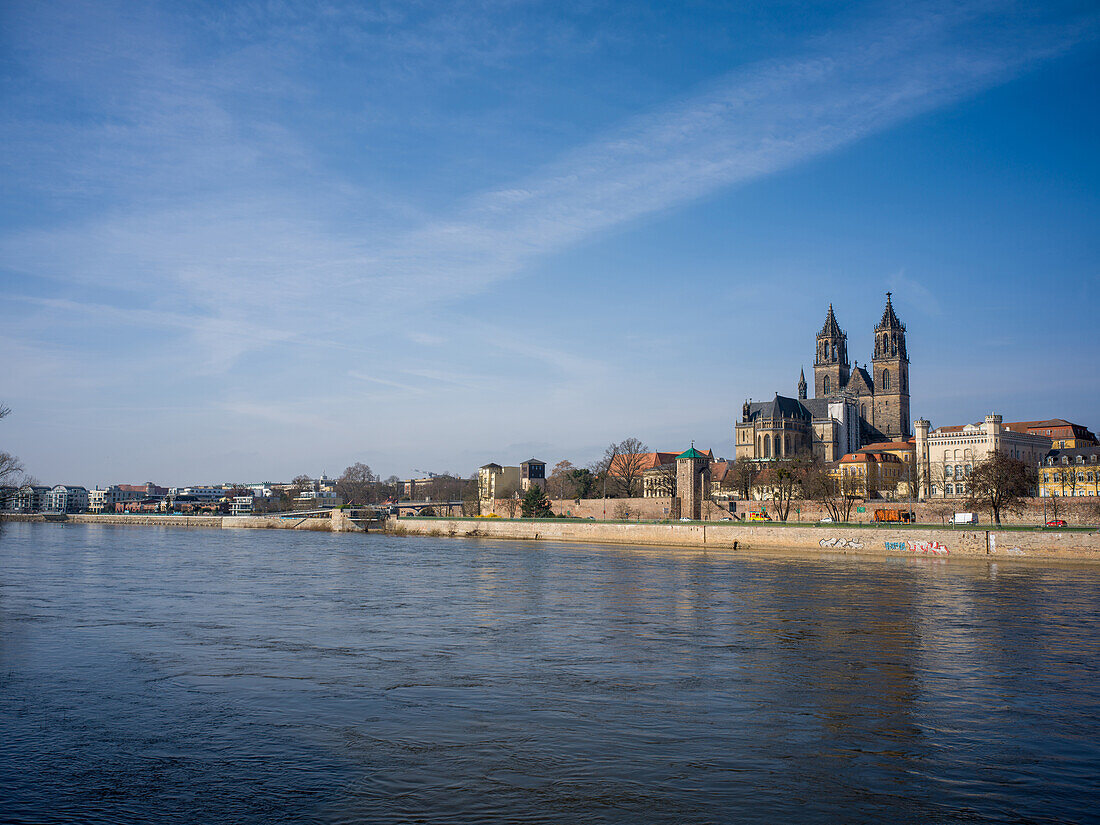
(536, 504)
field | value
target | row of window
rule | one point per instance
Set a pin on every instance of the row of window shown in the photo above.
(1078, 460)
(951, 489)
(1069, 476)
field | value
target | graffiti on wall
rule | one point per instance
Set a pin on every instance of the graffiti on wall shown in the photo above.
(918, 547)
(842, 544)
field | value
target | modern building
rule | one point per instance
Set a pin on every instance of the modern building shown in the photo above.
(241, 505)
(67, 498)
(1070, 472)
(31, 498)
(947, 455)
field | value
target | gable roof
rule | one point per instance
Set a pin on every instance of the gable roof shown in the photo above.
(860, 381)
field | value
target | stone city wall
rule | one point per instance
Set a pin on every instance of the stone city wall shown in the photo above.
(906, 541)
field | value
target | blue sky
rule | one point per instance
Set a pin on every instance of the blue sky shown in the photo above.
(244, 244)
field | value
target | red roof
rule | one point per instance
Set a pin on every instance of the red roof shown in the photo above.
(890, 445)
(640, 462)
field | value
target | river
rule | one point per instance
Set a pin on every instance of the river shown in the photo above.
(173, 675)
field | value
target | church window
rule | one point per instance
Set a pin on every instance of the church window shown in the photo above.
(886, 379)
(825, 385)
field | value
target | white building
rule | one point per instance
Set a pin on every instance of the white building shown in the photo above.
(67, 498)
(241, 505)
(947, 455)
(200, 493)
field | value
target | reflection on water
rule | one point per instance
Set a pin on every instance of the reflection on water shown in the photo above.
(263, 676)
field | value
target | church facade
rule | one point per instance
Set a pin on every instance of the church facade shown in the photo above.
(852, 406)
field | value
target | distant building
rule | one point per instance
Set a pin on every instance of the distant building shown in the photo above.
(851, 406)
(31, 498)
(532, 472)
(870, 473)
(67, 498)
(241, 505)
(1062, 433)
(416, 489)
(1070, 472)
(207, 494)
(104, 499)
(495, 482)
(947, 455)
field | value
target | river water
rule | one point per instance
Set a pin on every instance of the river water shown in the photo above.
(176, 675)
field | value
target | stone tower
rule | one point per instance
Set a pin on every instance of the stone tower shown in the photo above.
(802, 385)
(890, 373)
(831, 370)
(692, 482)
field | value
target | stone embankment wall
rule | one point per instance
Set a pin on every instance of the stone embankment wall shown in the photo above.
(1080, 511)
(923, 541)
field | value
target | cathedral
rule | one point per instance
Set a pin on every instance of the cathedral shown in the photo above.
(851, 406)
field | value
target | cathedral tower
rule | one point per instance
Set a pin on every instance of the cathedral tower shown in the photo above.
(802, 385)
(890, 373)
(831, 370)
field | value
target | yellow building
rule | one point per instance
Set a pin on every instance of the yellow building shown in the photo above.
(870, 473)
(1071, 472)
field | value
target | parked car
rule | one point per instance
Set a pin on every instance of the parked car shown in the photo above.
(1058, 522)
(759, 517)
(826, 520)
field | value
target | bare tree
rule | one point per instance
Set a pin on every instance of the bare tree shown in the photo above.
(601, 467)
(299, 484)
(562, 480)
(357, 484)
(511, 505)
(999, 482)
(782, 480)
(622, 511)
(1068, 473)
(628, 465)
(745, 471)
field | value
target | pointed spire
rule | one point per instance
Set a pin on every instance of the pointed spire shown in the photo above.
(802, 384)
(889, 318)
(831, 329)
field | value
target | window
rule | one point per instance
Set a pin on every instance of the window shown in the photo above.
(825, 383)
(886, 379)
(948, 490)
(958, 471)
(947, 470)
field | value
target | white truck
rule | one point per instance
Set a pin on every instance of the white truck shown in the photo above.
(964, 518)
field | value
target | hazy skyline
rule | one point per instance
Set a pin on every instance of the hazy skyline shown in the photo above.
(247, 244)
